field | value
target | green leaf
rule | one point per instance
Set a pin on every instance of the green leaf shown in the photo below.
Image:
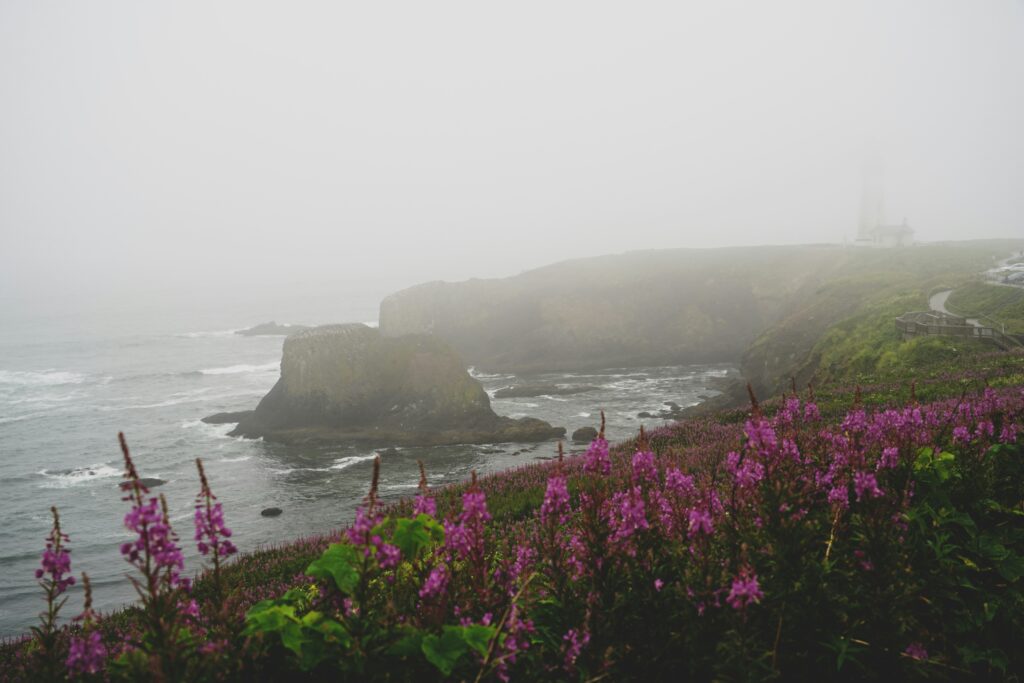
(268, 617)
(1012, 568)
(293, 637)
(408, 645)
(410, 536)
(478, 637)
(340, 562)
(444, 651)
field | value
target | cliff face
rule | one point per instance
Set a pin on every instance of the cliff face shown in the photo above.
(642, 308)
(348, 383)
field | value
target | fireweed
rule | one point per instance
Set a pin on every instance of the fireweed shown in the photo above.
(54, 576)
(707, 550)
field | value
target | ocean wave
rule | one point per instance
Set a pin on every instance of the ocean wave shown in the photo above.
(201, 335)
(63, 479)
(46, 378)
(238, 369)
(342, 463)
(484, 375)
(216, 430)
(554, 398)
(241, 458)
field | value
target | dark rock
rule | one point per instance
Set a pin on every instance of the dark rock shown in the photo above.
(347, 383)
(644, 414)
(532, 390)
(271, 329)
(227, 418)
(271, 512)
(584, 435)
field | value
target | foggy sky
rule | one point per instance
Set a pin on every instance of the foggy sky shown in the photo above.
(195, 147)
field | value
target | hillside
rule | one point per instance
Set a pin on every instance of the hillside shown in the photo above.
(642, 308)
(999, 304)
(766, 308)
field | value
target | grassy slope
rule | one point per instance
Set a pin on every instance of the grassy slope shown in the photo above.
(845, 331)
(1004, 304)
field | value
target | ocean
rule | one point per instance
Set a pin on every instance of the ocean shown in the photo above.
(66, 390)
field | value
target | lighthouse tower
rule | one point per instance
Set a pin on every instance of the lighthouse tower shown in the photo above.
(872, 201)
(872, 230)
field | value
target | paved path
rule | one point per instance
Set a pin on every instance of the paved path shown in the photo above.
(937, 303)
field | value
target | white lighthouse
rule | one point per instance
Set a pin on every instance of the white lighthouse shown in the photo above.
(872, 230)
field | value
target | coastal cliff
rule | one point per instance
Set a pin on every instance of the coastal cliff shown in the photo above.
(651, 308)
(348, 383)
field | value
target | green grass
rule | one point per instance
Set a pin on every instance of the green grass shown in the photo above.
(1003, 304)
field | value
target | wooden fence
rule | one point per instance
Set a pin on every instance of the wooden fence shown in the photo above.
(930, 323)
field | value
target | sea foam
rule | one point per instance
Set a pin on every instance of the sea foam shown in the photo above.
(238, 369)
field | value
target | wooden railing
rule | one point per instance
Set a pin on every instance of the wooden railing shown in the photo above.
(930, 323)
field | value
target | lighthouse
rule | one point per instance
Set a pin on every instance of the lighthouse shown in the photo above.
(872, 230)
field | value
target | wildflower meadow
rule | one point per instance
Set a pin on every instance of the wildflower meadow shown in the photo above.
(881, 541)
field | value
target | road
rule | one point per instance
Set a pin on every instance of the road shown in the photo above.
(937, 302)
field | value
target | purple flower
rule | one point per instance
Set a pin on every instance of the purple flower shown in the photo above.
(890, 458)
(212, 533)
(761, 437)
(525, 556)
(56, 566)
(627, 514)
(555, 507)
(680, 484)
(864, 484)
(961, 434)
(574, 644)
(388, 556)
(155, 539)
(596, 459)
(474, 507)
(359, 532)
(747, 473)
(86, 655)
(457, 538)
(644, 468)
(424, 505)
(436, 582)
(745, 590)
(700, 522)
(658, 585)
(839, 495)
(916, 651)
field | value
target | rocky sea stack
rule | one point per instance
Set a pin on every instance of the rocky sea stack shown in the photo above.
(348, 383)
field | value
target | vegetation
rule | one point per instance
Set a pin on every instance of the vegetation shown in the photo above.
(886, 520)
(844, 331)
(871, 528)
(999, 304)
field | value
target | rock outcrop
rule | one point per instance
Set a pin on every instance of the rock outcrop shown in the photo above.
(348, 383)
(584, 435)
